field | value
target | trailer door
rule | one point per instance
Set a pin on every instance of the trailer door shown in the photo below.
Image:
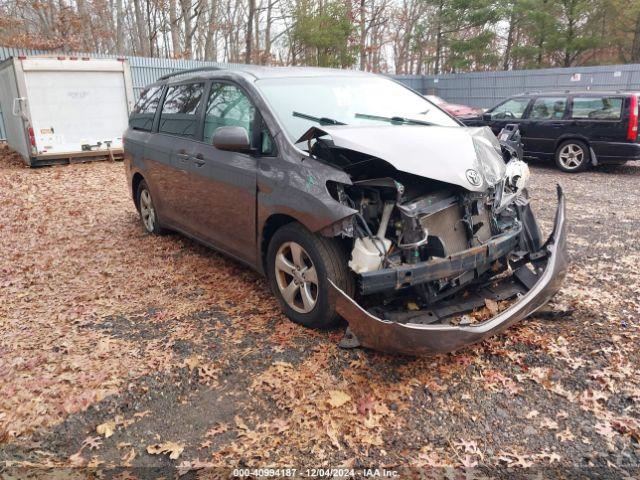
(13, 124)
(72, 111)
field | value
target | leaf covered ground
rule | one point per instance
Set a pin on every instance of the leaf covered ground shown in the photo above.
(135, 355)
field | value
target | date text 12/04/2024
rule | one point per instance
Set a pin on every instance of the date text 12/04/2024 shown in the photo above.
(316, 472)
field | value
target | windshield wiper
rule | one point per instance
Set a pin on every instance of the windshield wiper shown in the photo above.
(320, 120)
(400, 120)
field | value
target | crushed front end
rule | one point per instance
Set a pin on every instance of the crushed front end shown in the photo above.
(440, 266)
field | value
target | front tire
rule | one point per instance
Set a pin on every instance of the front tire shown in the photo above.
(299, 265)
(147, 210)
(573, 156)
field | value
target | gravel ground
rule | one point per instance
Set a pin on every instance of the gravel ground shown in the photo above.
(134, 356)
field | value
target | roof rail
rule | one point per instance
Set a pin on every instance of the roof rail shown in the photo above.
(191, 70)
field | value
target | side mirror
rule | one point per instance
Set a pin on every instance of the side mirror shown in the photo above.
(233, 139)
(486, 117)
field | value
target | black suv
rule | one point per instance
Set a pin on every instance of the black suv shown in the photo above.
(577, 129)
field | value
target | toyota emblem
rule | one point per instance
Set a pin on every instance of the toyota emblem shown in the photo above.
(474, 178)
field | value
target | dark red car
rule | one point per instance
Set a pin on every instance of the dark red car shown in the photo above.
(453, 108)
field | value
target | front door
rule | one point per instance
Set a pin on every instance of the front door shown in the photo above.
(546, 122)
(224, 183)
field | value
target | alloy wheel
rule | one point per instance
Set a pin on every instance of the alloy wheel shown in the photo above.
(571, 156)
(147, 212)
(296, 277)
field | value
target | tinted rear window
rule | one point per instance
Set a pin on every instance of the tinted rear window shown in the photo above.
(548, 108)
(145, 110)
(179, 114)
(597, 108)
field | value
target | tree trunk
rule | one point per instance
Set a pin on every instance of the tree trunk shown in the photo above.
(249, 39)
(363, 35)
(119, 29)
(267, 34)
(635, 48)
(568, 40)
(512, 26)
(210, 44)
(185, 8)
(141, 28)
(436, 67)
(175, 29)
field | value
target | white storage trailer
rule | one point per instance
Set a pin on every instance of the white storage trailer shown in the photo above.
(63, 109)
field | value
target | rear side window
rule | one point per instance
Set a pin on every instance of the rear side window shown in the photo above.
(179, 114)
(548, 108)
(145, 110)
(597, 108)
(513, 108)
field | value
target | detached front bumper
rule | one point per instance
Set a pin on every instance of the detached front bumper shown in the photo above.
(419, 339)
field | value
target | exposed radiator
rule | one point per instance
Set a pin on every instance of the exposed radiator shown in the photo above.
(448, 227)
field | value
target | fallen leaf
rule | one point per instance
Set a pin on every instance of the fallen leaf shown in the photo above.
(76, 459)
(331, 433)
(548, 423)
(337, 398)
(605, 430)
(240, 423)
(280, 425)
(128, 458)
(565, 436)
(492, 306)
(469, 446)
(172, 448)
(106, 429)
(219, 428)
(92, 442)
(469, 462)
(365, 405)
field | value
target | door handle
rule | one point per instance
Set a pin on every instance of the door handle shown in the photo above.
(557, 124)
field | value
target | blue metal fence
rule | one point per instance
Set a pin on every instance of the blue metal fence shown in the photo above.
(479, 89)
(484, 89)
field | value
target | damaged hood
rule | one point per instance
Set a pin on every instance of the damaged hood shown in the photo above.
(466, 156)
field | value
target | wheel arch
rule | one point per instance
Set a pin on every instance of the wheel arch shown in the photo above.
(571, 136)
(136, 180)
(274, 222)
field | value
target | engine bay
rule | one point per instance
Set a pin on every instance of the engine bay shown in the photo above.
(428, 251)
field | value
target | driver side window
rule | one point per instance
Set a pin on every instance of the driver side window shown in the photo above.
(513, 108)
(228, 105)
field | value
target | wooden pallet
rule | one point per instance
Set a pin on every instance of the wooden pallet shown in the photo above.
(78, 157)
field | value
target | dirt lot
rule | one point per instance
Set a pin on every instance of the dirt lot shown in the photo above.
(138, 355)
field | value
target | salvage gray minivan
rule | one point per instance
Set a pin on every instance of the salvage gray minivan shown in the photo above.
(354, 195)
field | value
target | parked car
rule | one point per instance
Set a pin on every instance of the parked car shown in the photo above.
(353, 195)
(577, 130)
(457, 110)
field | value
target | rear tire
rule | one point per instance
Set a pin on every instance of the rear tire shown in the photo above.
(573, 156)
(147, 210)
(299, 266)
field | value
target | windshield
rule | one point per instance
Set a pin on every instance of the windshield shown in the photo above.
(301, 103)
